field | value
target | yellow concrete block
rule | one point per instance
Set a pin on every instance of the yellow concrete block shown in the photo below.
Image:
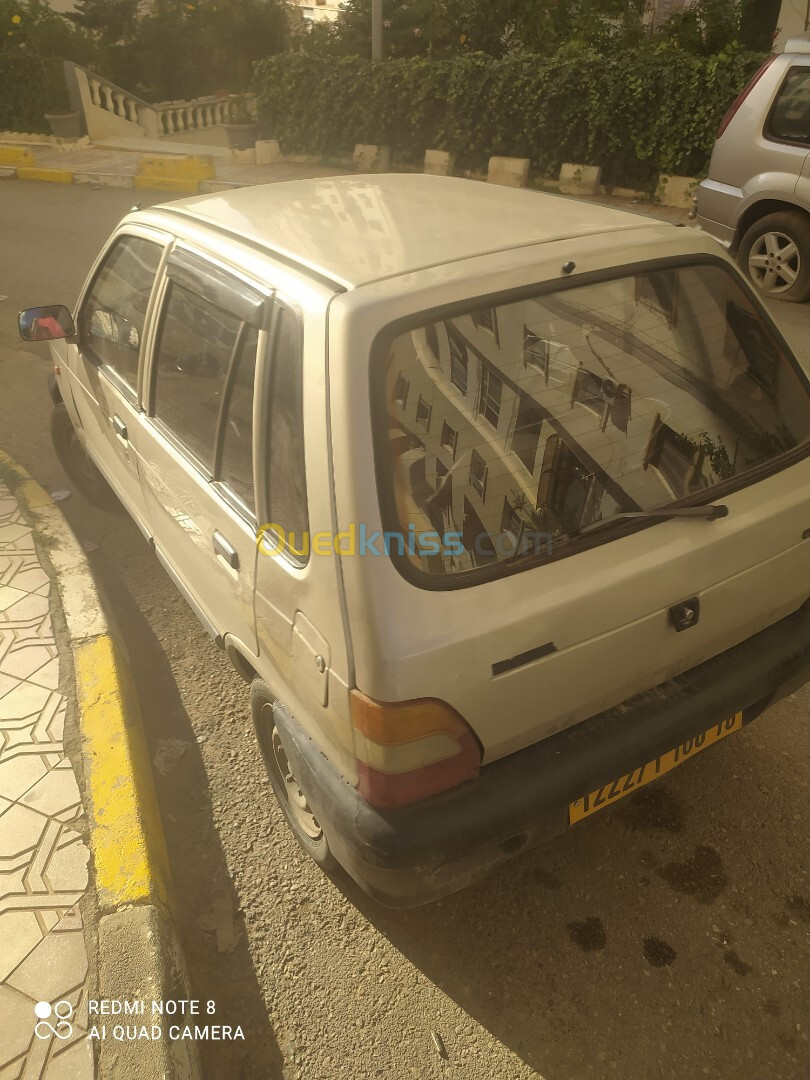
(16, 155)
(191, 167)
(167, 183)
(53, 176)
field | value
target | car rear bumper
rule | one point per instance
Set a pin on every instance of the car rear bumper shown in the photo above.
(718, 209)
(419, 853)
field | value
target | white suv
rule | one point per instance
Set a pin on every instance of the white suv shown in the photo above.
(501, 502)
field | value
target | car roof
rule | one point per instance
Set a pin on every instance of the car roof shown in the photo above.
(355, 230)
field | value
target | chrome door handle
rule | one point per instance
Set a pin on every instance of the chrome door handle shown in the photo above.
(226, 550)
(120, 428)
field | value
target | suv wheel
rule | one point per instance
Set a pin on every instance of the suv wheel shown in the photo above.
(287, 789)
(80, 469)
(775, 253)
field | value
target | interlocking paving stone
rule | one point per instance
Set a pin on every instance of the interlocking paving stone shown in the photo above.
(43, 860)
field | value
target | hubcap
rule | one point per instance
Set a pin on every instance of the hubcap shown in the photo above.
(774, 263)
(296, 800)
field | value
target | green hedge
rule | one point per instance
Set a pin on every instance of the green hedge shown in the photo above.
(26, 89)
(635, 112)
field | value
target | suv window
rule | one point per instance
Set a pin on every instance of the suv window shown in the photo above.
(654, 387)
(111, 319)
(790, 116)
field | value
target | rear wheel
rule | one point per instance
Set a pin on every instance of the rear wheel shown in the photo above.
(775, 253)
(286, 786)
(82, 472)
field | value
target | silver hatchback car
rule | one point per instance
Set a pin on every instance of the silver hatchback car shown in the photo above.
(756, 198)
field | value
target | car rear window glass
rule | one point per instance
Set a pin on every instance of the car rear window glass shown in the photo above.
(790, 117)
(527, 421)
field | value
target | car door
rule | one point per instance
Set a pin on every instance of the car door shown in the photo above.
(105, 364)
(197, 468)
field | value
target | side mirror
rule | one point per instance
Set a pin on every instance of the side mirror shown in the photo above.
(46, 323)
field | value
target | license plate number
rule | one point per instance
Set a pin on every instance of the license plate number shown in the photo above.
(611, 792)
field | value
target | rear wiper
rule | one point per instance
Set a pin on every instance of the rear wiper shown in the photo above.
(705, 513)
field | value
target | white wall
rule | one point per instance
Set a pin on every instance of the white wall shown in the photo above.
(793, 19)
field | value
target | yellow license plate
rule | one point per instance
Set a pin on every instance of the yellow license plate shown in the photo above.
(611, 792)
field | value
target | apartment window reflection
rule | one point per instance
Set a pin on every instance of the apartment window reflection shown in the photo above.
(449, 438)
(478, 474)
(423, 410)
(526, 437)
(458, 363)
(401, 388)
(490, 395)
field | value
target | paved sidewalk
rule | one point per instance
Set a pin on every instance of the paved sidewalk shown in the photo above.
(43, 859)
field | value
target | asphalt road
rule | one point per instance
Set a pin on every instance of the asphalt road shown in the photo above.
(668, 937)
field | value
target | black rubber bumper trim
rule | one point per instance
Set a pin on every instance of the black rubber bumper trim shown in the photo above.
(521, 800)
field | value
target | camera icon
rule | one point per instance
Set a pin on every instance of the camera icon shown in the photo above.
(61, 1028)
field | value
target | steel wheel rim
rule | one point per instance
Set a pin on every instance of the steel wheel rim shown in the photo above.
(774, 262)
(296, 800)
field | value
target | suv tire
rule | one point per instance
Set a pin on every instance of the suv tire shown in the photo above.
(775, 254)
(286, 787)
(82, 472)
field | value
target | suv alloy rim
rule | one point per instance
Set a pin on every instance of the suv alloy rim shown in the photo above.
(774, 262)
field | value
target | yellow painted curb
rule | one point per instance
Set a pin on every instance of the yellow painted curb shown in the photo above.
(54, 176)
(130, 866)
(191, 167)
(16, 155)
(167, 183)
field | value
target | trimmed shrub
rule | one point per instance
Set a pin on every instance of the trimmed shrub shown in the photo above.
(636, 112)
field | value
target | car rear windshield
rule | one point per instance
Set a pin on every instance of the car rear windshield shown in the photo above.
(505, 430)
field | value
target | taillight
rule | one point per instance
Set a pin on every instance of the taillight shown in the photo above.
(411, 749)
(739, 100)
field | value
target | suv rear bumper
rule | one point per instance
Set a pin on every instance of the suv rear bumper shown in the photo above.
(718, 210)
(419, 853)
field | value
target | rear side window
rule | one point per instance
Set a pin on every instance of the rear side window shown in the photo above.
(204, 373)
(287, 495)
(194, 352)
(575, 405)
(112, 317)
(790, 116)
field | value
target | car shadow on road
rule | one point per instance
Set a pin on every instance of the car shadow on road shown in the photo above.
(207, 909)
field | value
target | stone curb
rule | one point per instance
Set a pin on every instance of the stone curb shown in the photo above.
(139, 953)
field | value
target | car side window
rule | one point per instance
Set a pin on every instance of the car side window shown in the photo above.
(112, 317)
(790, 117)
(235, 468)
(195, 345)
(287, 495)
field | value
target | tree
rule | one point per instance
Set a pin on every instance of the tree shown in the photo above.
(440, 28)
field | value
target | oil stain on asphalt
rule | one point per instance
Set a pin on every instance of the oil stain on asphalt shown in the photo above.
(658, 953)
(589, 934)
(702, 876)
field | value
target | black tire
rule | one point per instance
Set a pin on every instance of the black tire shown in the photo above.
(775, 255)
(288, 792)
(81, 471)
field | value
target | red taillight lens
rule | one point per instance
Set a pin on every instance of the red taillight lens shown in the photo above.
(739, 100)
(411, 749)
